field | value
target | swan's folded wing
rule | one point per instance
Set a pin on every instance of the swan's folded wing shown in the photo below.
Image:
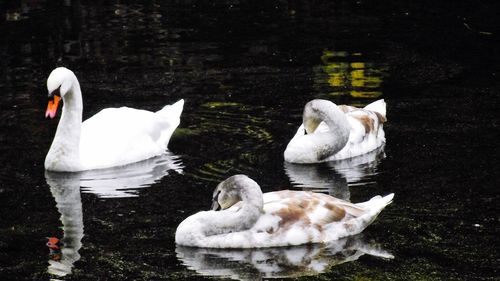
(363, 123)
(119, 136)
(350, 208)
(307, 208)
(335, 209)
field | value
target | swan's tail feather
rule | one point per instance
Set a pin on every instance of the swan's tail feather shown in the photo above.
(377, 106)
(173, 109)
(373, 207)
(377, 203)
(172, 115)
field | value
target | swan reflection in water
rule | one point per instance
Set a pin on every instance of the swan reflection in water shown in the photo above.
(336, 177)
(125, 181)
(254, 264)
(65, 187)
(114, 182)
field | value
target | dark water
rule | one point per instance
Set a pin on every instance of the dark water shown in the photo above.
(245, 71)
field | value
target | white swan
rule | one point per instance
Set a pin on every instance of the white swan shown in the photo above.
(250, 219)
(330, 132)
(112, 137)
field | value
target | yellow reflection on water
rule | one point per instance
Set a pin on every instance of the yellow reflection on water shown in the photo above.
(347, 74)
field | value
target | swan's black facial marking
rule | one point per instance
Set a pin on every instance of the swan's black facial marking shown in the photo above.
(56, 92)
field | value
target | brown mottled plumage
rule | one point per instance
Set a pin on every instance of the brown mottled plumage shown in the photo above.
(281, 218)
(302, 207)
(366, 121)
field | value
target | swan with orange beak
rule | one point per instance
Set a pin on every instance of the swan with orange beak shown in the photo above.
(112, 137)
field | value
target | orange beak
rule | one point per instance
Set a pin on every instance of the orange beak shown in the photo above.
(52, 243)
(52, 107)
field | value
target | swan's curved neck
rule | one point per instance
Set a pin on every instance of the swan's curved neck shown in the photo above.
(64, 153)
(337, 136)
(250, 209)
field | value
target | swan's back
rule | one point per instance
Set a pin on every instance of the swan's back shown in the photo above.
(367, 132)
(119, 136)
(315, 209)
(302, 217)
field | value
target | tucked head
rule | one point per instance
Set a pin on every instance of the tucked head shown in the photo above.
(230, 191)
(312, 116)
(59, 83)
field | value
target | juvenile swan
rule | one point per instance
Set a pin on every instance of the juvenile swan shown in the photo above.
(250, 219)
(112, 137)
(330, 132)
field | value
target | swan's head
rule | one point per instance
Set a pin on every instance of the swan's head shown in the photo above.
(230, 191)
(59, 83)
(312, 116)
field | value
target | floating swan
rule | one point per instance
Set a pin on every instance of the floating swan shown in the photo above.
(250, 219)
(330, 132)
(112, 137)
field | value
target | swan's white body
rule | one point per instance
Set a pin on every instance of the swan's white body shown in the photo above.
(274, 219)
(112, 137)
(343, 132)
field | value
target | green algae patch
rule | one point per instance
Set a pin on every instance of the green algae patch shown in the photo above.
(218, 104)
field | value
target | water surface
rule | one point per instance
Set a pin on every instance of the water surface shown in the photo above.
(245, 70)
